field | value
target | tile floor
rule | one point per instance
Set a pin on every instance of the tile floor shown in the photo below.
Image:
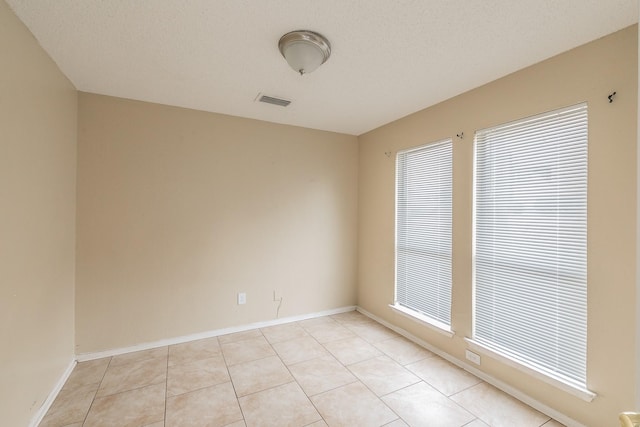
(341, 370)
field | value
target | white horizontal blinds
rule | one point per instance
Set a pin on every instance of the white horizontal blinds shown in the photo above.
(531, 241)
(423, 230)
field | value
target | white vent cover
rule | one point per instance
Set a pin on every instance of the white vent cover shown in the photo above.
(272, 100)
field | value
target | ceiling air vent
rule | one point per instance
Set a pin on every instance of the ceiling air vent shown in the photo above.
(273, 100)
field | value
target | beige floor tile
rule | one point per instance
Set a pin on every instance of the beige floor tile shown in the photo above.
(71, 406)
(352, 405)
(352, 350)
(132, 408)
(299, 349)
(258, 375)
(403, 351)
(286, 332)
(422, 405)
(442, 375)
(317, 321)
(373, 332)
(199, 374)
(89, 372)
(138, 356)
(133, 375)
(240, 336)
(382, 375)
(497, 408)
(215, 406)
(321, 374)
(193, 350)
(327, 332)
(246, 350)
(196, 382)
(282, 406)
(351, 318)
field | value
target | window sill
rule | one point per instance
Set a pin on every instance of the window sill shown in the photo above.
(433, 324)
(573, 389)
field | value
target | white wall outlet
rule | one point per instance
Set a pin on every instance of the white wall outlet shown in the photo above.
(242, 298)
(474, 357)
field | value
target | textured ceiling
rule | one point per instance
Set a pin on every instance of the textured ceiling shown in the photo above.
(389, 58)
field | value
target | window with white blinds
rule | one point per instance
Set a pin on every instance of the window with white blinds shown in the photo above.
(423, 231)
(530, 243)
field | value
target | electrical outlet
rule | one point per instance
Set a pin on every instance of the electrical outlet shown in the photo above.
(242, 298)
(474, 357)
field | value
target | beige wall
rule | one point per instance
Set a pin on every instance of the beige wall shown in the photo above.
(588, 73)
(38, 110)
(178, 210)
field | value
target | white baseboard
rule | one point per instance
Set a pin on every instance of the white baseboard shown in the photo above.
(510, 390)
(44, 408)
(214, 333)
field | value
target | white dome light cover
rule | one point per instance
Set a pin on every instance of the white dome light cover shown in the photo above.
(304, 50)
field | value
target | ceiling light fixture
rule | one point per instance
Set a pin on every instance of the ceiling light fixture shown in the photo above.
(304, 50)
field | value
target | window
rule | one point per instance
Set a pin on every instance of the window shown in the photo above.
(530, 243)
(423, 232)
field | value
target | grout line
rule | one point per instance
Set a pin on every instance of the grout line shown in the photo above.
(292, 380)
(166, 391)
(224, 360)
(96, 393)
(129, 389)
(469, 388)
(200, 388)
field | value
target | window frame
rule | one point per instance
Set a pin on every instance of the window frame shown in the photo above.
(416, 315)
(486, 347)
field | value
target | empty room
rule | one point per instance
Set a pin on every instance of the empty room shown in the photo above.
(304, 213)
